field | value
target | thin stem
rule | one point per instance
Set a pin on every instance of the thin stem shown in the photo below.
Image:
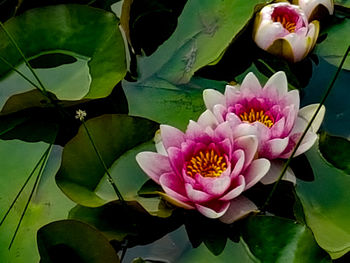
(124, 249)
(286, 165)
(110, 179)
(24, 58)
(25, 184)
(20, 73)
(30, 197)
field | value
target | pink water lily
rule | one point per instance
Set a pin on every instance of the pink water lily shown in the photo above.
(208, 167)
(272, 110)
(315, 9)
(282, 29)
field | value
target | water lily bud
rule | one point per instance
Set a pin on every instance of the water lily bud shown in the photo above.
(316, 9)
(283, 30)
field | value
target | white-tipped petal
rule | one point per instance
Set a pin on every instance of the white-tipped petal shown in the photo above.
(153, 164)
(278, 81)
(256, 171)
(308, 111)
(207, 119)
(212, 97)
(275, 171)
(251, 83)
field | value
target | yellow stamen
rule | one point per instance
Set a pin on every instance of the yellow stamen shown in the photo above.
(290, 26)
(259, 116)
(207, 164)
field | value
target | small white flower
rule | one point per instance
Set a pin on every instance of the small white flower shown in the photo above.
(80, 114)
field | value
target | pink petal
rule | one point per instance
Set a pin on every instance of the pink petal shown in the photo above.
(171, 137)
(239, 207)
(153, 164)
(256, 171)
(251, 85)
(159, 144)
(223, 131)
(249, 145)
(176, 159)
(308, 111)
(215, 186)
(197, 196)
(207, 119)
(212, 97)
(173, 187)
(238, 160)
(272, 149)
(232, 94)
(243, 129)
(278, 128)
(237, 186)
(220, 112)
(275, 171)
(277, 82)
(196, 133)
(214, 209)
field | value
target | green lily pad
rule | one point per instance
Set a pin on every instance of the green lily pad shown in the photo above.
(88, 34)
(129, 220)
(336, 150)
(74, 241)
(205, 28)
(274, 239)
(81, 172)
(156, 99)
(336, 43)
(326, 205)
(17, 160)
(345, 3)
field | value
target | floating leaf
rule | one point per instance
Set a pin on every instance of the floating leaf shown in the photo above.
(74, 241)
(274, 239)
(17, 160)
(127, 221)
(336, 150)
(336, 43)
(326, 205)
(88, 34)
(158, 99)
(81, 171)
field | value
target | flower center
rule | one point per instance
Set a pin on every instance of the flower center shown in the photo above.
(288, 16)
(207, 164)
(260, 116)
(283, 19)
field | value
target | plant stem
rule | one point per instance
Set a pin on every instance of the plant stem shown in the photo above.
(24, 185)
(285, 167)
(20, 73)
(110, 179)
(30, 196)
(24, 58)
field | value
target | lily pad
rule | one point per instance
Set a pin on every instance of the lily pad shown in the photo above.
(326, 205)
(336, 43)
(88, 34)
(336, 150)
(81, 171)
(74, 241)
(274, 239)
(17, 160)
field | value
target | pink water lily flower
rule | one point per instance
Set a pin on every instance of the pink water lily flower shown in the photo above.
(282, 29)
(207, 168)
(316, 9)
(273, 111)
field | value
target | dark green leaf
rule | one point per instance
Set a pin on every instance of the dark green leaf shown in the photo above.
(326, 205)
(336, 150)
(81, 172)
(274, 239)
(86, 33)
(74, 241)
(129, 221)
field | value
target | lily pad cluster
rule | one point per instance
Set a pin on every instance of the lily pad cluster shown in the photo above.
(91, 90)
